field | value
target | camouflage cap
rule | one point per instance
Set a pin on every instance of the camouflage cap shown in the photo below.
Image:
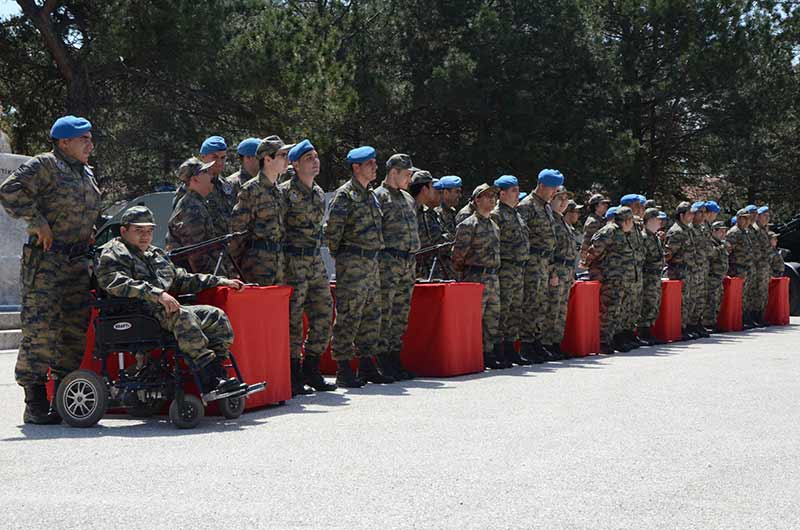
(716, 225)
(562, 190)
(270, 146)
(421, 176)
(651, 213)
(138, 215)
(597, 198)
(192, 167)
(399, 161)
(623, 213)
(481, 189)
(682, 207)
(651, 203)
(572, 206)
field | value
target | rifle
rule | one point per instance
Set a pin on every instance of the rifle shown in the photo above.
(207, 246)
(428, 250)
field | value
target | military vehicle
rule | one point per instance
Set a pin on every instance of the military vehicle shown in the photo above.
(789, 243)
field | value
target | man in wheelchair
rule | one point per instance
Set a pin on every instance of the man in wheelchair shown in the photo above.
(130, 267)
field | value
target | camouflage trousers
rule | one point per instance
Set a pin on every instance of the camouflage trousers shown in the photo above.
(199, 329)
(490, 305)
(633, 303)
(512, 291)
(687, 300)
(651, 299)
(357, 328)
(612, 302)
(557, 302)
(54, 316)
(311, 295)
(763, 274)
(714, 289)
(397, 286)
(698, 292)
(537, 277)
(747, 286)
(264, 267)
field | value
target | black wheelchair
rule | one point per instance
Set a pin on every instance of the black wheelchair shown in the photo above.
(143, 388)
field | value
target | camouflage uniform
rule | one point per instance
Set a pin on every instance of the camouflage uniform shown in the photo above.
(238, 180)
(464, 212)
(354, 235)
(679, 249)
(651, 279)
(305, 271)
(699, 267)
(762, 269)
(717, 269)
(538, 217)
(447, 214)
(431, 232)
(513, 256)
(261, 212)
(777, 266)
(634, 290)
(566, 250)
(396, 263)
(740, 262)
(476, 254)
(590, 227)
(611, 262)
(189, 224)
(220, 201)
(57, 190)
(203, 332)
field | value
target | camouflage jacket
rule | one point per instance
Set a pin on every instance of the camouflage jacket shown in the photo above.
(261, 211)
(125, 271)
(538, 215)
(463, 213)
(431, 231)
(702, 241)
(762, 246)
(304, 208)
(448, 216)
(513, 234)
(653, 254)
(718, 259)
(679, 250)
(237, 180)
(566, 250)
(610, 255)
(740, 256)
(220, 201)
(590, 227)
(57, 190)
(636, 236)
(191, 223)
(354, 219)
(776, 264)
(399, 221)
(477, 243)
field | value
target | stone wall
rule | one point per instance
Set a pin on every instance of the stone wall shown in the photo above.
(12, 236)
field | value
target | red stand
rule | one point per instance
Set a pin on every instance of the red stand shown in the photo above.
(729, 317)
(668, 326)
(444, 336)
(777, 312)
(582, 332)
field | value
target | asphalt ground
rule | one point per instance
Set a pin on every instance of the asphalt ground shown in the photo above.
(693, 435)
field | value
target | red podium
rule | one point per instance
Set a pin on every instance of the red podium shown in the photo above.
(729, 317)
(444, 336)
(582, 332)
(668, 325)
(777, 312)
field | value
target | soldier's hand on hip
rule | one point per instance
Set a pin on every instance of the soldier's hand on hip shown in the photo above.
(235, 284)
(45, 236)
(169, 303)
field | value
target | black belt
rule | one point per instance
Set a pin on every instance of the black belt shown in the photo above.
(72, 250)
(263, 244)
(358, 251)
(542, 252)
(480, 270)
(397, 253)
(301, 252)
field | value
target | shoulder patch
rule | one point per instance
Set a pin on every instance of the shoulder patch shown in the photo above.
(294, 196)
(227, 187)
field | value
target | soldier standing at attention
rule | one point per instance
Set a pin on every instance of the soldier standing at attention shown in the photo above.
(740, 256)
(248, 164)
(565, 254)
(450, 186)
(598, 206)
(633, 313)
(679, 250)
(304, 207)
(396, 262)
(777, 265)
(511, 276)
(57, 196)
(354, 233)
(431, 231)
(699, 266)
(717, 269)
(763, 269)
(539, 277)
(466, 211)
(476, 257)
(651, 274)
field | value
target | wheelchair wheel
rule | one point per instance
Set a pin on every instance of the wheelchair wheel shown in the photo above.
(232, 407)
(189, 414)
(82, 398)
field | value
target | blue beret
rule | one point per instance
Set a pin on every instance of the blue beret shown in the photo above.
(359, 155)
(712, 206)
(642, 199)
(751, 208)
(523, 194)
(450, 182)
(299, 150)
(437, 184)
(67, 127)
(611, 212)
(551, 178)
(628, 199)
(506, 181)
(697, 205)
(212, 144)
(247, 147)
(733, 220)
(763, 209)
(663, 216)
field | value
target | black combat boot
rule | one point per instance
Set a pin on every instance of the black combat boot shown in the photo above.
(555, 349)
(643, 333)
(402, 374)
(513, 357)
(369, 373)
(500, 355)
(313, 377)
(345, 377)
(620, 344)
(685, 335)
(298, 386)
(37, 408)
(386, 365)
(214, 378)
(758, 320)
(546, 355)
(630, 338)
(701, 331)
(606, 349)
(529, 351)
(489, 361)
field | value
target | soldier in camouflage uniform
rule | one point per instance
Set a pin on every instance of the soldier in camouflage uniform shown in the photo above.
(476, 257)
(776, 263)
(261, 213)
(56, 194)
(130, 267)
(740, 261)
(450, 187)
(611, 261)
(651, 274)
(700, 266)
(539, 276)
(717, 269)
(354, 233)
(191, 222)
(564, 257)
(396, 262)
(430, 228)
(763, 269)
(633, 291)
(598, 206)
(513, 256)
(466, 211)
(304, 206)
(679, 251)
(248, 164)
